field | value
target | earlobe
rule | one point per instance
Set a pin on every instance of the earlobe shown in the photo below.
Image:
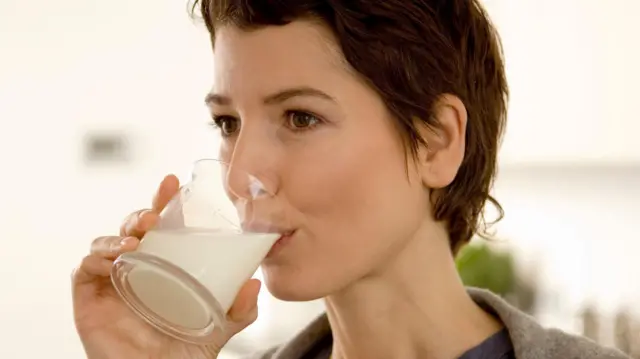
(441, 159)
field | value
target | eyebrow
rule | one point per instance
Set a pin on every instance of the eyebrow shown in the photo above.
(278, 97)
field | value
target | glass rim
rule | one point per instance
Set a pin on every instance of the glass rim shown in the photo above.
(254, 178)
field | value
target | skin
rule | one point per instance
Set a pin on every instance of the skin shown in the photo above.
(364, 237)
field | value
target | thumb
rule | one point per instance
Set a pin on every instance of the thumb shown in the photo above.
(244, 310)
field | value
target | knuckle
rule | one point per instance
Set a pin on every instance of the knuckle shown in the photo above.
(103, 243)
(86, 262)
(99, 240)
(129, 218)
(124, 226)
(130, 222)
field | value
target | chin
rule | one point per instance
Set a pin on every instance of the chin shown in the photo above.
(291, 286)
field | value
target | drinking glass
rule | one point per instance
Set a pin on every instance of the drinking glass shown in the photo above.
(210, 239)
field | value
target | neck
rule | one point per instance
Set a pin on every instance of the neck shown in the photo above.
(415, 306)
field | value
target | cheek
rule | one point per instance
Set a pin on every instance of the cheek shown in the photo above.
(357, 203)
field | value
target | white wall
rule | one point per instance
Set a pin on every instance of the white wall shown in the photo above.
(67, 67)
(70, 66)
(578, 224)
(572, 68)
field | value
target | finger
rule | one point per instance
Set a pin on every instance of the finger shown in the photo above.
(111, 247)
(244, 309)
(92, 266)
(138, 223)
(168, 188)
(129, 222)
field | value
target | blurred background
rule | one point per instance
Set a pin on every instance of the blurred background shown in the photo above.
(100, 99)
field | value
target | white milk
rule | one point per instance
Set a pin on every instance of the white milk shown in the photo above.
(221, 261)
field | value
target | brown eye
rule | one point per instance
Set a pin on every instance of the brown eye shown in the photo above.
(299, 120)
(227, 124)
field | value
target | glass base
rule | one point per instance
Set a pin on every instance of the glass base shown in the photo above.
(167, 297)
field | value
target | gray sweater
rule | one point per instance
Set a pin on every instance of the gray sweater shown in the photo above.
(530, 340)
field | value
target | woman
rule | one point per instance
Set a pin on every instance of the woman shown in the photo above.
(390, 114)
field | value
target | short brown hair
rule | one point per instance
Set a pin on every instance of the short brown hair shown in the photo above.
(412, 52)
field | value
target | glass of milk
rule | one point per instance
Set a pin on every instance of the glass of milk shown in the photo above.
(210, 239)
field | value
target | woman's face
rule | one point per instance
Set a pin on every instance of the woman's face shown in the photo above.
(293, 114)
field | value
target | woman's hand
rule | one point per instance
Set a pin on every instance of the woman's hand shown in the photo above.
(109, 329)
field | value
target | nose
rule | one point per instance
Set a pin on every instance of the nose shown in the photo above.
(250, 171)
(243, 185)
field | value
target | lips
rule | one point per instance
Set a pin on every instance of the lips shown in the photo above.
(280, 244)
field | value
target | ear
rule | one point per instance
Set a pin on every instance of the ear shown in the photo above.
(442, 157)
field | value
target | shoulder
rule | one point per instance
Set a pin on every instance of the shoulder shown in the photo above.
(559, 344)
(532, 341)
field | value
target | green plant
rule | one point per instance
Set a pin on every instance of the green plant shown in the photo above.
(482, 267)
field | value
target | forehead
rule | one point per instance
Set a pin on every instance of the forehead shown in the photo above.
(302, 52)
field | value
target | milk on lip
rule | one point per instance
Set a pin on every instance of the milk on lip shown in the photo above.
(221, 261)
